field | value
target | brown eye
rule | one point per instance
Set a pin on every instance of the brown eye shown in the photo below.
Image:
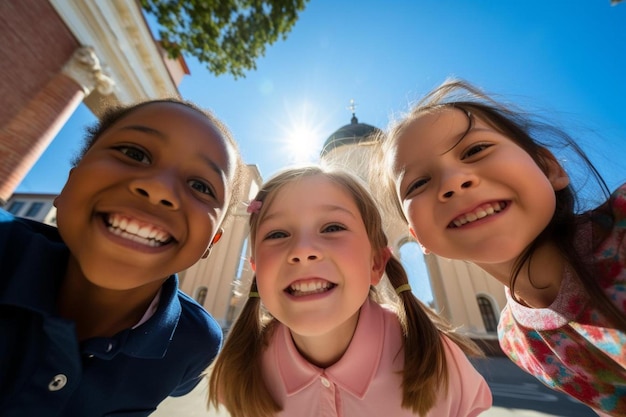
(134, 153)
(474, 150)
(201, 187)
(415, 185)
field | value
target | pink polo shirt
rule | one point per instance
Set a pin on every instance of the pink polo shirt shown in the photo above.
(366, 381)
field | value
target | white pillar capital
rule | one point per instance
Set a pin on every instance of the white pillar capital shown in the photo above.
(84, 68)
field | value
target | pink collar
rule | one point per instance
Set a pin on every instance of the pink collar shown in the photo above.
(354, 371)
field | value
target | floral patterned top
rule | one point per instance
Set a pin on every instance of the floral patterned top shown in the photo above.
(570, 346)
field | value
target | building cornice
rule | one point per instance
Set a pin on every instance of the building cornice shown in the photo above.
(122, 41)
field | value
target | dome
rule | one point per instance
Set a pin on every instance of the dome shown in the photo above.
(352, 133)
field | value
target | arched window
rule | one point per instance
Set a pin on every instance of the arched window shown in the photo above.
(201, 295)
(243, 259)
(412, 260)
(488, 313)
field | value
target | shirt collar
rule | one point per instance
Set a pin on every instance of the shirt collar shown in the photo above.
(352, 373)
(152, 338)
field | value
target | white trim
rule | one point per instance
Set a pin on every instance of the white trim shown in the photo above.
(122, 40)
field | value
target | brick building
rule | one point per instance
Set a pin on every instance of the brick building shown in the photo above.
(57, 54)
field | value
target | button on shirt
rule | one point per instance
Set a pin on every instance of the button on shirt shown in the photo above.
(366, 380)
(44, 371)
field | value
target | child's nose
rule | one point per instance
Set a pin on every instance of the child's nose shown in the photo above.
(297, 259)
(159, 190)
(304, 251)
(455, 184)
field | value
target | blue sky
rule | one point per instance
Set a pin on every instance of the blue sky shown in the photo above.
(566, 58)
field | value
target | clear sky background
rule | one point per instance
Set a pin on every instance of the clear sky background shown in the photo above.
(565, 58)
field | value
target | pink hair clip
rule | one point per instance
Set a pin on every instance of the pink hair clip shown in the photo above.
(254, 206)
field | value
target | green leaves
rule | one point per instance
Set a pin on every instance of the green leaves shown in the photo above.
(227, 35)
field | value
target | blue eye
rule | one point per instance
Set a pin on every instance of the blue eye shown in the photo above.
(134, 153)
(276, 235)
(201, 187)
(333, 228)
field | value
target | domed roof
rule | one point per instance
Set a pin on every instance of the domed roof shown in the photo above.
(352, 133)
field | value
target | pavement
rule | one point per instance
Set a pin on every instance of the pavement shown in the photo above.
(515, 394)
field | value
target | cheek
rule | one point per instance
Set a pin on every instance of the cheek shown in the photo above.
(411, 211)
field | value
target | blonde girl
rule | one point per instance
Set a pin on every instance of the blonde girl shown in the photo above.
(327, 346)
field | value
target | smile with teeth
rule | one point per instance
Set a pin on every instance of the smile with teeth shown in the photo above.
(302, 288)
(131, 229)
(481, 212)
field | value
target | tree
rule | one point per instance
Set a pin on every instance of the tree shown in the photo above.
(227, 35)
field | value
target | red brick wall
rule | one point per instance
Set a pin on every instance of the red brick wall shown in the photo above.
(26, 136)
(34, 46)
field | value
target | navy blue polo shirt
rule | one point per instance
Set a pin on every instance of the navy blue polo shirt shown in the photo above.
(45, 371)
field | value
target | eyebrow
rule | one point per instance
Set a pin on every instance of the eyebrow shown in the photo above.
(145, 129)
(325, 207)
(468, 132)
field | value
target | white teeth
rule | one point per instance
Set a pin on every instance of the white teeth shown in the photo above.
(132, 227)
(134, 238)
(144, 232)
(307, 288)
(133, 230)
(481, 212)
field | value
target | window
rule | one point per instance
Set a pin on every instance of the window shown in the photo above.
(201, 295)
(488, 313)
(413, 261)
(15, 207)
(34, 209)
(243, 260)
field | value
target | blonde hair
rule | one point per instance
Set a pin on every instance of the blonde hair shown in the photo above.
(237, 379)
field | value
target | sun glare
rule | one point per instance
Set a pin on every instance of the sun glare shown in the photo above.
(301, 138)
(302, 144)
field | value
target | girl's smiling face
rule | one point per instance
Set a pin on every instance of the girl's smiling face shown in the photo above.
(146, 199)
(471, 194)
(313, 259)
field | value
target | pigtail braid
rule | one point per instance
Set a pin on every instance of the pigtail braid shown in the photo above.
(424, 372)
(236, 378)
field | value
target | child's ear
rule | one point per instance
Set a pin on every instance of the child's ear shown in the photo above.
(380, 262)
(252, 264)
(554, 171)
(425, 250)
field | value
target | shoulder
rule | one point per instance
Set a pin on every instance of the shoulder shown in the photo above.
(469, 394)
(615, 206)
(458, 363)
(618, 202)
(197, 324)
(18, 226)
(613, 212)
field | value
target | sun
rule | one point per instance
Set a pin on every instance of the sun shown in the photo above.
(301, 138)
(302, 144)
